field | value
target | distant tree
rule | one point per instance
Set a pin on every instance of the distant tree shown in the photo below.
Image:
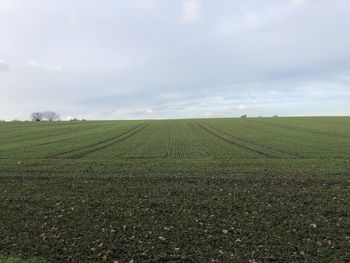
(275, 116)
(45, 116)
(76, 119)
(51, 116)
(244, 116)
(37, 116)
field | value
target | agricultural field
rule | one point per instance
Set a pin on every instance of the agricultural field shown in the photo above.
(200, 190)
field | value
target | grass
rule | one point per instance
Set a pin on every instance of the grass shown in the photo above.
(209, 190)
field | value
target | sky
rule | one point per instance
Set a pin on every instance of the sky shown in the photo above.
(145, 59)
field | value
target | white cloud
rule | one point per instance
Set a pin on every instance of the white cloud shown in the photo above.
(242, 107)
(4, 66)
(67, 118)
(208, 114)
(148, 111)
(34, 64)
(191, 10)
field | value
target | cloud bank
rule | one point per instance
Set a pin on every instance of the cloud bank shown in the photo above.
(174, 59)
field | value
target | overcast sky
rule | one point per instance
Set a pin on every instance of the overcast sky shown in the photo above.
(126, 59)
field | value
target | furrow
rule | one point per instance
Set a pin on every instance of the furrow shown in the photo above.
(130, 134)
(294, 155)
(96, 144)
(236, 144)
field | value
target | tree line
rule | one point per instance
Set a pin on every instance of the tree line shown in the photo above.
(45, 116)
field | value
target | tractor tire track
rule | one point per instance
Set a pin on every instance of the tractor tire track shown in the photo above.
(294, 155)
(81, 152)
(237, 144)
(131, 134)
(44, 143)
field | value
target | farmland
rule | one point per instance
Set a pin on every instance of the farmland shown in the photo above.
(201, 190)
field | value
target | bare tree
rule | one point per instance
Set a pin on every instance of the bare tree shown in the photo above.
(45, 116)
(36, 116)
(51, 116)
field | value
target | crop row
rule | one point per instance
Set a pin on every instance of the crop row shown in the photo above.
(169, 139)
(179, 139)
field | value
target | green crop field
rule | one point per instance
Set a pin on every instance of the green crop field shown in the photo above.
(205, 190)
